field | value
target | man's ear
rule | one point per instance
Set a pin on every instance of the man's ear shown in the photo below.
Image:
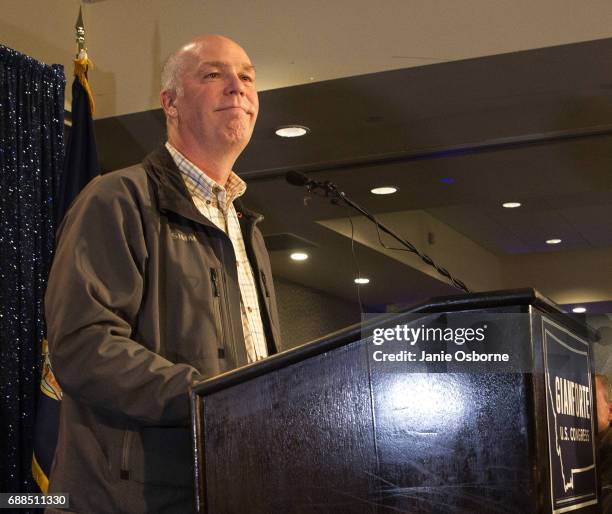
(609, 412)
(168, 103)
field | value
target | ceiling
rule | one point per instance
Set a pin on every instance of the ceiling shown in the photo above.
(507, 101)
(290, 42)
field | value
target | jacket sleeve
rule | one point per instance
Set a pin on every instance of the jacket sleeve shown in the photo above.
(91, 305)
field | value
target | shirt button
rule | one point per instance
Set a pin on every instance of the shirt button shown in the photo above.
(208, 202)
(249, 309)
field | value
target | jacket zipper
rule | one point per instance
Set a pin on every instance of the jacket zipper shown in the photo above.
(265, 284)
(214, 278)
(124, 472)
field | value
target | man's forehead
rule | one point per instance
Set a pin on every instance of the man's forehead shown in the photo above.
(218, 49)
(226, 64)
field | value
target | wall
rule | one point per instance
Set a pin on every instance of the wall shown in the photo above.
(564, 276)
(307, 314)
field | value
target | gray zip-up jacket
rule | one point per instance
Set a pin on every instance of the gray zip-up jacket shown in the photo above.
(143, 300)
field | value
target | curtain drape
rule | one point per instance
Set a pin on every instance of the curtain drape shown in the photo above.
(31, 160)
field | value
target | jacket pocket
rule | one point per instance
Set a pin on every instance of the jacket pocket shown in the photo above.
(159, 455)
(215, 280)
(264, 282)
(270, 303)
(126, 447)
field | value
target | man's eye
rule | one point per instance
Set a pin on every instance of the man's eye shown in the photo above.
(247, 78)
(211, 75)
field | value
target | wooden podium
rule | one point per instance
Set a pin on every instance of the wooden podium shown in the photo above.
(335, 427)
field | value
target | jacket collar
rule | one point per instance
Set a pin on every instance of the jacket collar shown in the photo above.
(173, 195)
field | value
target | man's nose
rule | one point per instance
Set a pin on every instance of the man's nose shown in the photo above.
(235, 85)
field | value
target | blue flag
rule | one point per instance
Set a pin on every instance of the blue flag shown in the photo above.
(80, 166)
(47, 423)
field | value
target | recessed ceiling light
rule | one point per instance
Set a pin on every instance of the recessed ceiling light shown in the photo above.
(299, 256)
(385, 190)
(292, 131)
(511, 205)
(579, 310)
(553, 241)
(362, 280)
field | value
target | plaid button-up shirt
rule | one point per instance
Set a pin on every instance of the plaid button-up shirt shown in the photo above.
(216, 203)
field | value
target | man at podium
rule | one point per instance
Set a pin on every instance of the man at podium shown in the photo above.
(161, 278)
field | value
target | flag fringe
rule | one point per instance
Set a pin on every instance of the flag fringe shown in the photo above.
(81, 65)
(39, 475)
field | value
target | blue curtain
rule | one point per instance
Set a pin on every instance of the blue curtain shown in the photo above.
(31, 160)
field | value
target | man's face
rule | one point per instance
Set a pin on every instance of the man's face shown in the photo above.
(218, 104)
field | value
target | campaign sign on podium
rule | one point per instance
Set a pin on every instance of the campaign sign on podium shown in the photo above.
(571, 420)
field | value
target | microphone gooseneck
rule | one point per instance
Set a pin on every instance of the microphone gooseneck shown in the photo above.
(331, 190)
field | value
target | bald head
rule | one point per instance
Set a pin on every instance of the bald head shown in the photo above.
(178, 62)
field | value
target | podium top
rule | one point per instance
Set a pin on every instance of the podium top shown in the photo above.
(490, 300)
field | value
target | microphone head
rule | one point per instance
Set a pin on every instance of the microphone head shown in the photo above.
(297, 179)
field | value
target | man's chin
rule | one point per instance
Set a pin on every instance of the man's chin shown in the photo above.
(238, 136)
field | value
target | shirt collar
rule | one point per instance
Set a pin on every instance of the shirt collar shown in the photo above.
(201, 185)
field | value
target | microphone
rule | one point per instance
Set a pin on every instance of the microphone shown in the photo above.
(331, 190)
(297, 179)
